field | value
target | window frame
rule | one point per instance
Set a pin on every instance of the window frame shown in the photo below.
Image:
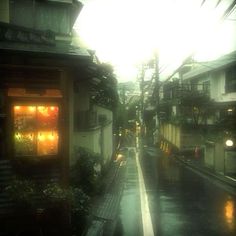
(230, 80)
(34, 102)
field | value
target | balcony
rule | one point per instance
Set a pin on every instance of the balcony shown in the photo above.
(173, 92)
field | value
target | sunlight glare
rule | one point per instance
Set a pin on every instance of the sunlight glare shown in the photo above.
(126, 32)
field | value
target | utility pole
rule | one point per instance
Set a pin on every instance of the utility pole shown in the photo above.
(142, 99)
(157, 88)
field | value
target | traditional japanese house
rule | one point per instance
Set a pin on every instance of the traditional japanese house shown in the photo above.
(47, 86)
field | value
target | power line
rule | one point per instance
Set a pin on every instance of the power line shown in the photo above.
(227, 12)
(217, 4)
(203, 2)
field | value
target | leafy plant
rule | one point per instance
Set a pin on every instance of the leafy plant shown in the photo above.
(21, 192)
(79, 210)
(55, 203)
(53, 193)
(80, 202)
(85, 171)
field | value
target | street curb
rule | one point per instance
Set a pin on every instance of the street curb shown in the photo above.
(223, 179)
(100, 223)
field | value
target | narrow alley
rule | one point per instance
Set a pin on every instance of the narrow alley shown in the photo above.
(179, 201)
(117, 118)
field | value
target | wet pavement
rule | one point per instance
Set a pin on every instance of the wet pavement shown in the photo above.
(183, 202)
(130, 208)
(180, 200)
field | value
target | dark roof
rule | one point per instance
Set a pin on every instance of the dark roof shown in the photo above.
(209, 66)
(20, 39)
(63, 50)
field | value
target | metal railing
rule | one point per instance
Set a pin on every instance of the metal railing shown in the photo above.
(171, 91)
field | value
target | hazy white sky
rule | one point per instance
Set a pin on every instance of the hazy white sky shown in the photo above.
(126, 33)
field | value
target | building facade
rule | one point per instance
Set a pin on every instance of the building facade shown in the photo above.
(54, 97)
(198, 113)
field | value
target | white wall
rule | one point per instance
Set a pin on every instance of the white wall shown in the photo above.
(217, 85)
(89, 139)
(103, 111)
(218, 88)
(98, 139)
(107, 132)
(107, 142)
(171, 133)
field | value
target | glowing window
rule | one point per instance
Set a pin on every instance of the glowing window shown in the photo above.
(36, 130)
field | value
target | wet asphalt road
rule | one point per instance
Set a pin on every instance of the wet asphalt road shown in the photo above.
(181, 202)
(130, 209)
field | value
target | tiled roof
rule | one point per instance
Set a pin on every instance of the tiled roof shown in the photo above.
(210, 66)
(20, 39)
(65, 50)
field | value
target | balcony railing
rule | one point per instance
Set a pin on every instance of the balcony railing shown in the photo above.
(172, 92)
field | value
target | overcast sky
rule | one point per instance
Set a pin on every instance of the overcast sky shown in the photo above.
(126, 33)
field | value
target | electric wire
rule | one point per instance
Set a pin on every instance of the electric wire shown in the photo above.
(227, 12)
(217, 4)
(156, 85)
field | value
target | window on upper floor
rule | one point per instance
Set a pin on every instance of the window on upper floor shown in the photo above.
(230, 80)
(206, 87)
(186, 86)
(194, 86)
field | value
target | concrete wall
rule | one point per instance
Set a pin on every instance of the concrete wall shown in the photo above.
(103, 111)
(107, 142)
(217, 86)
(98, 139)
(79, 101)
(190, 138)
(230, 162)
(171, 133)
(89, 139)
(219, 158)
(209, 155)
(106, 132)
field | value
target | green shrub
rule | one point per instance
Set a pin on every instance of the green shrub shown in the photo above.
(84, 173)
(21, 192)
